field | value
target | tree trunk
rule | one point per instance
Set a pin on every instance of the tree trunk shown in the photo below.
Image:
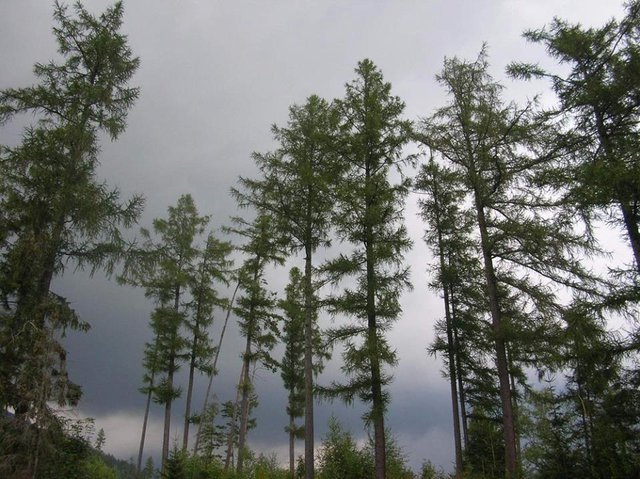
(244, 405)
(376, 380)
(586, 430)
(461, 389)
(187, 411)
(511, 461)
(631, 225)
(167, 415)
(41, 404)
(32, 294)
(309, 471)
(292, 445)
(170, 371)
(232, 424)
(246, 384)
(144, 423)
(514, 398)
(453, 383)
(451, 346)
(377, 412)
(378, 420)
(215, 364)
(629, 217)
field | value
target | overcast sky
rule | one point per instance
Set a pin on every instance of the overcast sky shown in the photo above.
(214, 76)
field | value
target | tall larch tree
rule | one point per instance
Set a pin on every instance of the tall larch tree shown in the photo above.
(447, 235)
(54, 211)
(256, 309)
(296, 188)
(369, 216)
(213, 266)
(150, 365)
(166, 267)
(528, 244)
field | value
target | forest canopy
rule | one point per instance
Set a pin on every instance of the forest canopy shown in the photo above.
(305, 284)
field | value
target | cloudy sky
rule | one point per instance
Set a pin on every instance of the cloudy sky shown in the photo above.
(215, 74)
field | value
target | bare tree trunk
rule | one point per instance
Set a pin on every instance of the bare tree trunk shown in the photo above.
(244, 405)
(586, 430)
(376, 379)
(461, 389)
(292, 445)
(453, 383)
(187, 411)
(167, 407)
(144, 423)
(309, 471)
(451, 346)
(378, 422)
(631, 225)
(167, 416)
(514, 398)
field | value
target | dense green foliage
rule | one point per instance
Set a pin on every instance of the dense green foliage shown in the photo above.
(511, 196)
(55, 213)
(340, 456)
(297, 189)
(369, 218)
(527, 180)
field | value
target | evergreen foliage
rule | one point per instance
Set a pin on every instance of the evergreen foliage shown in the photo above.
(177, 274)
(448, 237)
(528, 245)
(293, 337)
(370, 141)
(297, 189)
(255, 309)
(596, 167)
(213, 267)
(54, 211)
(512, 198)
(341, 457)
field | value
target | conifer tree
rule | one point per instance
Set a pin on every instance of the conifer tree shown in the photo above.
(255, 310)
(528, 244)
(231, 410)
(175, 465)
(211, 438)
(462, 337)
(149, 469)
(369, 217)
(54, 212)
(213, 267)
(213, 371)
(447, 234)
(292, 376)
(165, 267)
(149, 381)
(597, 115)
(471, 106)
(296, 189)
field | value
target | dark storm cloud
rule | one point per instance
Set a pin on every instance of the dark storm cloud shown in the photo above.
(214, 76)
